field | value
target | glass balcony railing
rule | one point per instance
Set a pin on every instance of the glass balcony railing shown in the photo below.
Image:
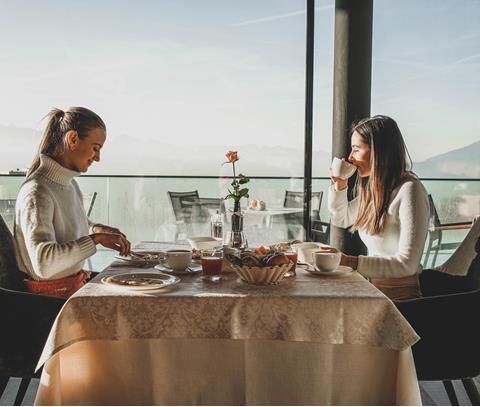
(140, 206)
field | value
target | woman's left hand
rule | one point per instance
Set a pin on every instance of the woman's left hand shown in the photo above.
(99, 228)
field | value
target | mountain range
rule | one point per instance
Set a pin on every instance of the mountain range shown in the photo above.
(141, 156)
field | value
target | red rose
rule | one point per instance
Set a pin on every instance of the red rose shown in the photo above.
(232, 156)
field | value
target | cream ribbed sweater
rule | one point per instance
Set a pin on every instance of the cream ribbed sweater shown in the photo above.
(51, 227)
(397, 251)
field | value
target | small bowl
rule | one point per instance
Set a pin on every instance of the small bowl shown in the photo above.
(204, 242)
(262, 275)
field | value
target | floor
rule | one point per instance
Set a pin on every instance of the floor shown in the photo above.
(433, 393)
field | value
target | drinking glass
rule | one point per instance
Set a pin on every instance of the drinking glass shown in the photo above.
(292, 256)
(212, 263)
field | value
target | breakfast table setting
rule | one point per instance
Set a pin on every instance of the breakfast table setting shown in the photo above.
(156, 328)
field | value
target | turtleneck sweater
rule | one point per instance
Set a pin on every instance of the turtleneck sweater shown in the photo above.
(51, 227)
(397, 250)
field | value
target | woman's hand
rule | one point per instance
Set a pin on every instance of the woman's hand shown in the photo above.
(99, 228)
(349, 261)
(340, 183)
(115, 241)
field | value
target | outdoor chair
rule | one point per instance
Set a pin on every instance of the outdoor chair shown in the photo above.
(445, 319)
(181, 213)
(26, 320)
(320, 232)
(294, 199)
(88, 202)
(435, 234)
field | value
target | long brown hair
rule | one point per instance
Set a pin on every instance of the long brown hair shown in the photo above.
(80, 119)
(389, 161)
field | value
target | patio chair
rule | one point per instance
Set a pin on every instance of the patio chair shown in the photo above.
(435, 234)
(26, 320)
(88, 202)
(181, 213)
(445, 319)
(7, 210)
(294, 199)
(320, 231)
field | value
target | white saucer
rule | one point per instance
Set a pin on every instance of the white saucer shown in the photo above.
(339, 271)
(192, 269)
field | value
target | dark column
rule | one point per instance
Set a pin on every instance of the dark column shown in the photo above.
(307, 186)
(351, 88)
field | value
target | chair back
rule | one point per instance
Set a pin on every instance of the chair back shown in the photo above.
(446, 323)
(433, 221)
(10, 276)
(88, 202)
(294, 199)
(179, 211)
(199, 210)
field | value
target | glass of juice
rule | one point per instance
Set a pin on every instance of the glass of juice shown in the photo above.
(293, 257)
(212, 262)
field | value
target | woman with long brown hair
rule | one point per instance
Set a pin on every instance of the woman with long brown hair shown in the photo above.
(390, 209)
(53, 235)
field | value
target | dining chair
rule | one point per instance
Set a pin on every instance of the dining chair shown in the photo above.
(435, 234)
(181, 213)
(88, 202)
(320, 231)
(445, 319)
(294, 221)
(25, 318)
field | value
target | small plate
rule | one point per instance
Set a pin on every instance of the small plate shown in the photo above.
(339, 271)
(136, 260)
(141, 280)
(192, 269)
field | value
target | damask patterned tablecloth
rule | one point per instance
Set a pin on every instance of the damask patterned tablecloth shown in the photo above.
(326, 310)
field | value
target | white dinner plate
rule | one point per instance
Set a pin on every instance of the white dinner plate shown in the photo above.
(339, 271)
(141, 280)
(192, 269)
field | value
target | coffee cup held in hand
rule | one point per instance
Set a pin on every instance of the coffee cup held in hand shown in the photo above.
(178, 259)
(342, 169)
(327, 260)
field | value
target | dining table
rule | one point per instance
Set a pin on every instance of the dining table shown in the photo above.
(310, 339)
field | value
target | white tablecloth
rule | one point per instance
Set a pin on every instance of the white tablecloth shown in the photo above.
(308, 340)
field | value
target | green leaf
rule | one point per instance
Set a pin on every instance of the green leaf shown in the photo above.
(244, 180)
(243, 192)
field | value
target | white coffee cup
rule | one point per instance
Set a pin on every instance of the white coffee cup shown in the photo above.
(342, 169)
(327, 261)
(178, 259)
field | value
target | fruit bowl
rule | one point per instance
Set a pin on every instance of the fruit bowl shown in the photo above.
(262, 275)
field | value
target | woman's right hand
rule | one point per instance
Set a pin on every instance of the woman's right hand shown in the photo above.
(340, 183)
(115, 241)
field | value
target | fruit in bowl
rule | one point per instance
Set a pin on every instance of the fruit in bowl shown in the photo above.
(257, 268)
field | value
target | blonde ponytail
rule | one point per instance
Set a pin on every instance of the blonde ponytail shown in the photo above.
(79, 119)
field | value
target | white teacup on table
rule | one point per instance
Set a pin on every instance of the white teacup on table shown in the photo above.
(342, 169)
(327, 260)
(178, 260)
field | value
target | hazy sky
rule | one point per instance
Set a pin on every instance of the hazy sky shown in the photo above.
(232, 72)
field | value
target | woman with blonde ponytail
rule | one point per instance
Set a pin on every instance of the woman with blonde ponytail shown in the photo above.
(390, 210)
(52, 233)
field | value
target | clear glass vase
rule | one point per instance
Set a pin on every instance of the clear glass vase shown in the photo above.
(237, 237)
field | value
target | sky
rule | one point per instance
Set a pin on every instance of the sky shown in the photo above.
(225, 72)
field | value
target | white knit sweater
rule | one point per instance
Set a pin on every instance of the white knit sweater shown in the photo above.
(397, 250)
(51, 227)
